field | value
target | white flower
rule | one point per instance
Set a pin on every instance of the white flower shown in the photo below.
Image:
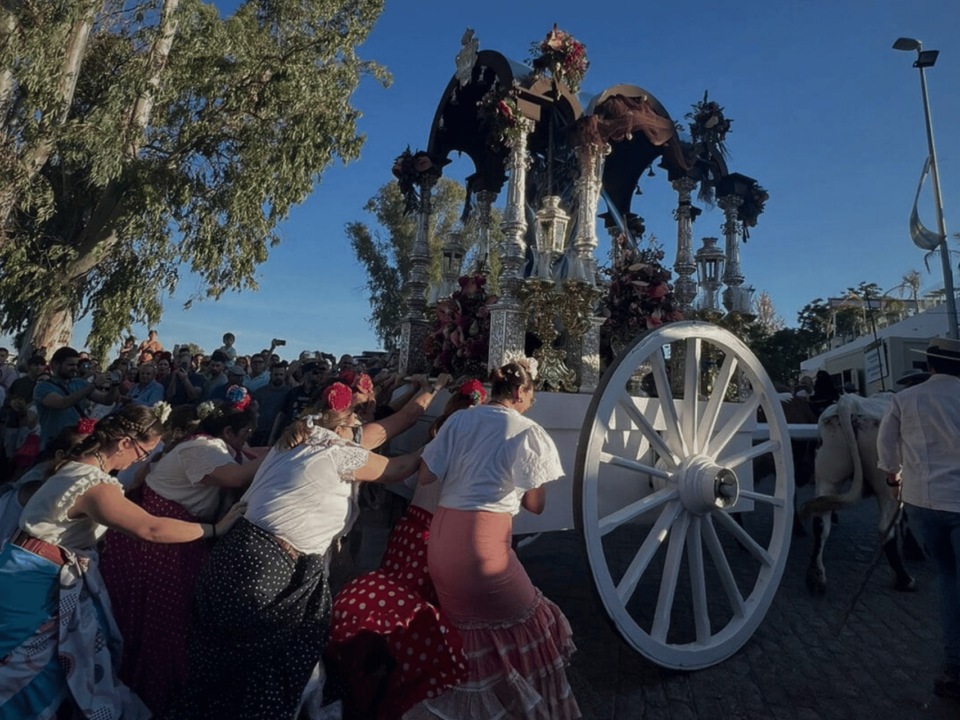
(528, 362)
(533, 366)
(205, 408)
(162, 410)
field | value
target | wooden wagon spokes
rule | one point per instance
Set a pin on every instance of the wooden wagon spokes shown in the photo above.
(696, 582)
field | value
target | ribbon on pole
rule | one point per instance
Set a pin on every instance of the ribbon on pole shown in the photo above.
(922, 237)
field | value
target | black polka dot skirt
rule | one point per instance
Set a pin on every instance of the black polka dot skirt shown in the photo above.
(260, 623)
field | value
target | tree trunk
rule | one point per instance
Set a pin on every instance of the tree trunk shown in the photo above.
(49, 329)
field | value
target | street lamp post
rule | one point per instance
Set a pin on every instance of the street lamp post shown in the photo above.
(925, 59)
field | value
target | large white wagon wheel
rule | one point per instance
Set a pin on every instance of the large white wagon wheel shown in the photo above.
(685, 583)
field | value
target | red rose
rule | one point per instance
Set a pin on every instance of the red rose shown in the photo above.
(364, 384)
(85, 426)
(338, 397)
(658, 291)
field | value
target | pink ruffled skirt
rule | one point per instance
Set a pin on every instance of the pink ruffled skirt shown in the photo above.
(517, 642)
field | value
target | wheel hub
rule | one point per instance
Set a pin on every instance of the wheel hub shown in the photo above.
(706, 486)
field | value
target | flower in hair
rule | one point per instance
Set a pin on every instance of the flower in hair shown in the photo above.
(474, 389)
(238, 397)
(364, 384)
(338, 397)
(348, 378)
(528, 362)
(162, 410)
(85, 425)
(206, 409)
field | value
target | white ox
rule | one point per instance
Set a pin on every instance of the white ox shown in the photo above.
(848, 452)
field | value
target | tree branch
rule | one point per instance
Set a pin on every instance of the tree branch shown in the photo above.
(156, 62)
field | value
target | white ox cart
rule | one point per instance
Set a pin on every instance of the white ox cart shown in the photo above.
(657, 481)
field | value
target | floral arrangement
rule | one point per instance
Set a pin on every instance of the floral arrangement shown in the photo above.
(708, 130)
(499, 116)
(85, 426)
(639, 297)
(563, 56)
(752, 207)
(459, 336)
(162, 410)
(708, 125)
(238, 397)
(337, 397)
(474, 390)
(410, 168)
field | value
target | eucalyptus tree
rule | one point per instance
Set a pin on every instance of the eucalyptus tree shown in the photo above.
(142, 137)
(384, 249)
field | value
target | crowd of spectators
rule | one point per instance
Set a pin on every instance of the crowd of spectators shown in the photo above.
(40, 396)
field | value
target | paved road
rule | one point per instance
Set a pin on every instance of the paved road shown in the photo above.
(837, 656)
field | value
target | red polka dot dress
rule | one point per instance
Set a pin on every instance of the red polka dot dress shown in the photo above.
(398, 603)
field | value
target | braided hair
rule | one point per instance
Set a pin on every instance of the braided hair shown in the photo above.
(135, 422)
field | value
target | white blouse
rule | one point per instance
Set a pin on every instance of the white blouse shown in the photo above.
(178, 475)
(488, 457)
(45, 514)
(307, 495)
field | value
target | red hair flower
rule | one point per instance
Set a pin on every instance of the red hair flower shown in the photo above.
(475, 390)
(85, 426)
(337, 397)
(348, 377)
(364, 384)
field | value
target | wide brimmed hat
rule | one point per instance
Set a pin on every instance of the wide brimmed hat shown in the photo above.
(944, 348)
(913, 377)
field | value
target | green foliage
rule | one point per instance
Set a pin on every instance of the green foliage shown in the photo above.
(384, 251)
(163, 156)
(781, 353)
(815, 319)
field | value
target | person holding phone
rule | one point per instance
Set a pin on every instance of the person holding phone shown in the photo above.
(185, 385)
(61, 400)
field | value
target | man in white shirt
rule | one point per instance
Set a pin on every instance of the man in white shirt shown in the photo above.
(920, 436)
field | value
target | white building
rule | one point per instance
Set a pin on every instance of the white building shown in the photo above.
(870, 371)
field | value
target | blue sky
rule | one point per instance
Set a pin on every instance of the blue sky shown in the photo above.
(826, 116)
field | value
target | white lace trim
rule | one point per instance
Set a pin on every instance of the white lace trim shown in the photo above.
(348, 456)
(82, 482)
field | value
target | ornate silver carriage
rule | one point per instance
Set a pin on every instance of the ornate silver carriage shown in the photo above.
(660, 452)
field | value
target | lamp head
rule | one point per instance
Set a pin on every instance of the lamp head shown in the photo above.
(926, 58)
(907, 44)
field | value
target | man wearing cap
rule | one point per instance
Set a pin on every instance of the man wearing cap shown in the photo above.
(919, 440)
(235, 376)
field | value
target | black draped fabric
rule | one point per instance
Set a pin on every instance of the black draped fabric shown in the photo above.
(260, 624)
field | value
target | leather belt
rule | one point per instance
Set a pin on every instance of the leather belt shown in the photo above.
(48, 551)
(287, 548)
